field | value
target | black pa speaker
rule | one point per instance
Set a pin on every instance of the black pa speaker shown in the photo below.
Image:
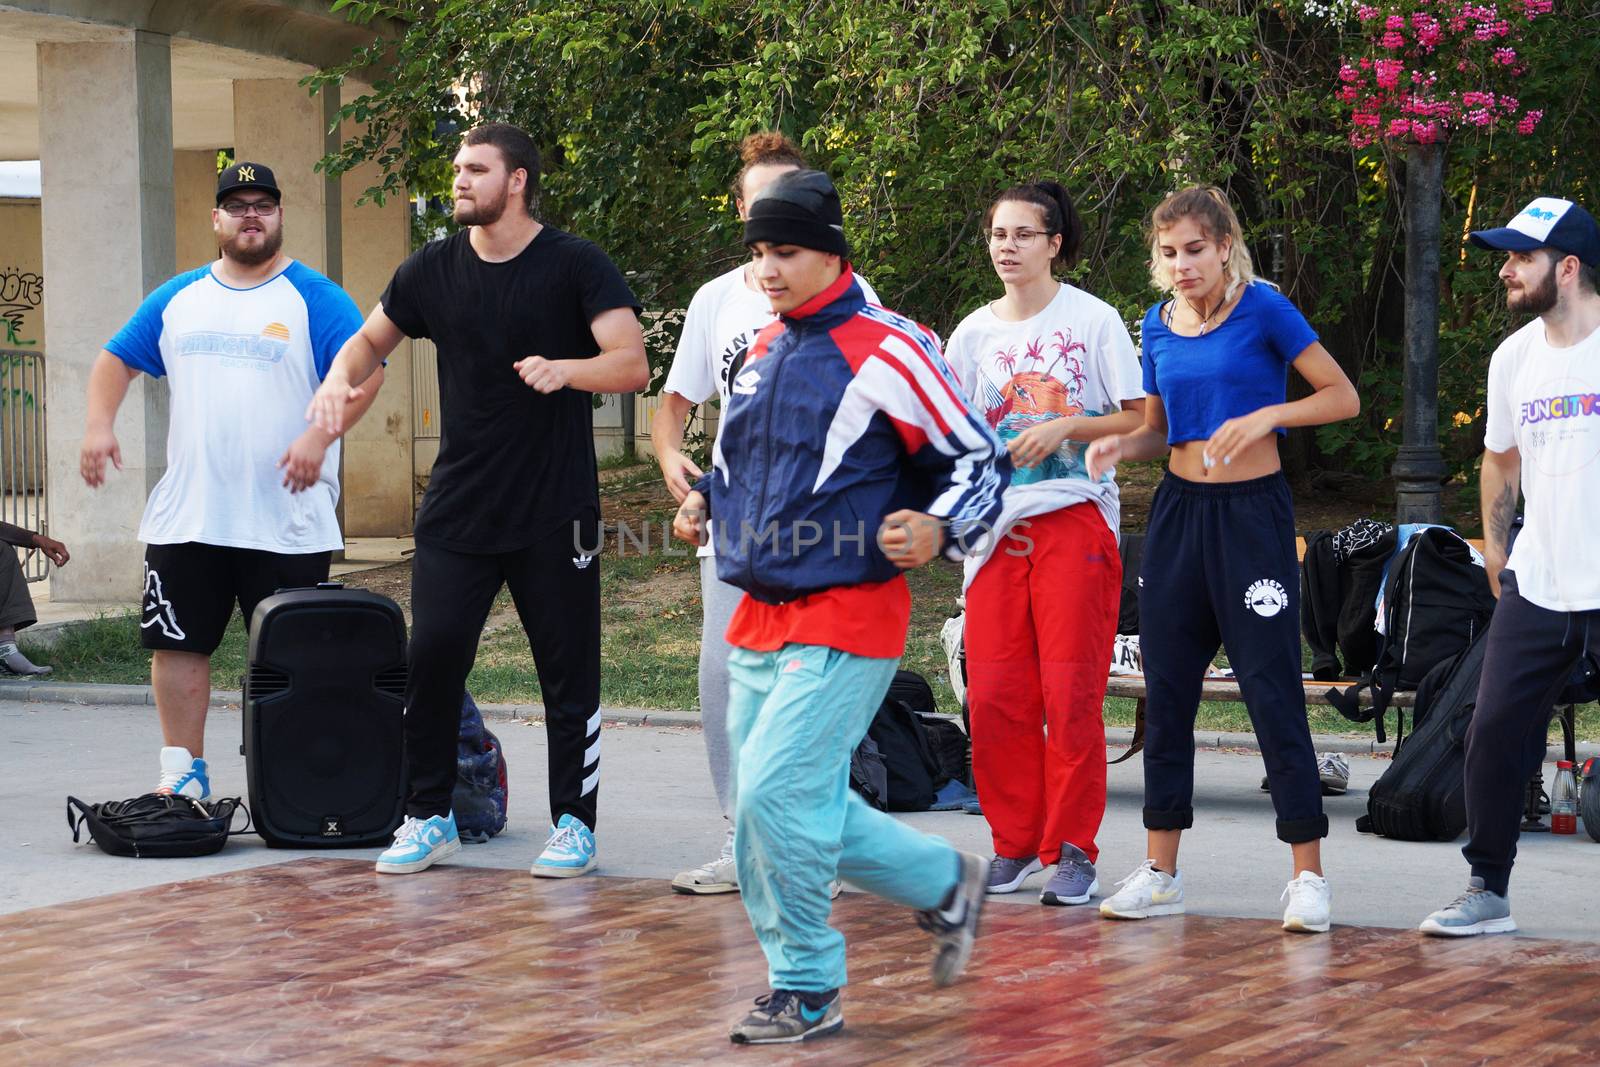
(324, 707)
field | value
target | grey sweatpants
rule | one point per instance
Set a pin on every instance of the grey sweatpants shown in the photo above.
(718, 600)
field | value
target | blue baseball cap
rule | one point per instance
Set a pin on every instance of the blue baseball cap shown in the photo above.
(1547, 222)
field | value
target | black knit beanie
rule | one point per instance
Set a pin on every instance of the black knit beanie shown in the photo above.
(798, 208)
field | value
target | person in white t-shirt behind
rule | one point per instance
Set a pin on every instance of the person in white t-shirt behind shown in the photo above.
(1051, 368)
(1542, 435)
(722, 321)
(246, 505)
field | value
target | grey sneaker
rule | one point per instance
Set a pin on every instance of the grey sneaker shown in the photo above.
(1144, 893)
(1074, 881)
(13, 662)
(1006, 875)
(1477, 911)
(1333, 768)
(783, 1017)
(955, 927)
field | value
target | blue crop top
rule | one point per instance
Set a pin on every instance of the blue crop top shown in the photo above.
(1230, 371)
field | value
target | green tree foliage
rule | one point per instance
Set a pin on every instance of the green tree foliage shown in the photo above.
(923, 111)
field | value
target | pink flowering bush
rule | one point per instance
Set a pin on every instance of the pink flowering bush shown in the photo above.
(1436, 65)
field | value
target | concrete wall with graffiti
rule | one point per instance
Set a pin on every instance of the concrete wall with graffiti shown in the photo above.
(21, 276)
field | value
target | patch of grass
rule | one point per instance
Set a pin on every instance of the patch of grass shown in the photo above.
(107, 649)
(650, 649)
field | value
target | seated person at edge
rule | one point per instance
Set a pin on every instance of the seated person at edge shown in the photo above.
(16, 605)
(846, 437)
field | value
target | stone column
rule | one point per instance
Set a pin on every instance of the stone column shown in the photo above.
(275, 122)
(194, 181)
(377, 452)
(105, 125)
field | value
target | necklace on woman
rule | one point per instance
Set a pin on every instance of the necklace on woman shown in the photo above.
(1205, 320)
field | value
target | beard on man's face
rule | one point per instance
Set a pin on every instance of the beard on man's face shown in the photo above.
(482, 210)
(1536, 300)
(253, 255)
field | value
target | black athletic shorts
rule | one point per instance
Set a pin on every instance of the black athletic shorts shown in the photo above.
(190, 590)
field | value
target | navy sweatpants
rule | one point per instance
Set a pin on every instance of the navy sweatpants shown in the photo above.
(1530, 657)
(1220, 568)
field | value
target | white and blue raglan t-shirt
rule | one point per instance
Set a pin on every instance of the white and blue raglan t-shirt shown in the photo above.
(242, 365)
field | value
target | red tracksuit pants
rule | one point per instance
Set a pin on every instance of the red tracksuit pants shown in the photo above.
(1041, 620)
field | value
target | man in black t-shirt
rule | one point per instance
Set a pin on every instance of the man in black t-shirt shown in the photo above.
(528, 322)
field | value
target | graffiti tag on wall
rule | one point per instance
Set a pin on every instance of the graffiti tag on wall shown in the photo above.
(20, 292)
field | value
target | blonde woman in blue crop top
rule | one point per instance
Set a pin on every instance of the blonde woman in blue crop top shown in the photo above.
(1220, 566)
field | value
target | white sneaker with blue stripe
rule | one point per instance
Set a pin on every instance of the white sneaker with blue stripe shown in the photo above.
(568, 853)
(419, 844)
(183, 775)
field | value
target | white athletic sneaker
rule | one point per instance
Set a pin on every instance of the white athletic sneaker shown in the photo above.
(1145, 893)
(718, 876)
(1310, 900)
(183, 775)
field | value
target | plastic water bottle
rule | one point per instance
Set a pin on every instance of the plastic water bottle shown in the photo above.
(1564, 800)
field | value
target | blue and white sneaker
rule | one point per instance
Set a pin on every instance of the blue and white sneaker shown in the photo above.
(183, 775)
(419, 844)
(568, 853)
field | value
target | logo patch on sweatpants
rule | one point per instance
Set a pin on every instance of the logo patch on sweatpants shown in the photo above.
(1266, 598)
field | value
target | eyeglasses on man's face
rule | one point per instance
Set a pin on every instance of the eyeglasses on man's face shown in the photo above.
(1021, 238)
(240, 208)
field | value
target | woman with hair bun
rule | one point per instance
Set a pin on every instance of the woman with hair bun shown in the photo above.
(1220, 565)
(723, 319)
(1050, 368)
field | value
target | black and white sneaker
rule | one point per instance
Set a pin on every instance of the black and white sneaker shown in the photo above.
(783, 1017)
(954, 924)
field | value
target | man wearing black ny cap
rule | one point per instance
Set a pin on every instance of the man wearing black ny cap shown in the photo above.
(246, 505)
(1542, 435)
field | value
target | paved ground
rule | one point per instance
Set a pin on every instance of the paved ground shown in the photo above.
(658, 815)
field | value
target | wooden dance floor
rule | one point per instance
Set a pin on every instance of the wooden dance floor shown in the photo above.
(323, 961)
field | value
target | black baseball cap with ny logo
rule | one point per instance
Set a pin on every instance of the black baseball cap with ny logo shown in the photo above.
(247, 176)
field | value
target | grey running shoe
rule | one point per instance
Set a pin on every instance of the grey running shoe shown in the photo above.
(783, 1017)
(1333, 768)
(1477, 911)
(955, 926)
(13, 662)
(1006, 875)
(1074, 881)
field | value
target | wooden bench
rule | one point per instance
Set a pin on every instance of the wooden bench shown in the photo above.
(1226, 691)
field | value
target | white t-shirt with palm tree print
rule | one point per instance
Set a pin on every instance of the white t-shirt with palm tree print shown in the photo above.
(1073, 358)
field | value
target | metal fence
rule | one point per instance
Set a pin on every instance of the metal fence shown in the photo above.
(22, 451)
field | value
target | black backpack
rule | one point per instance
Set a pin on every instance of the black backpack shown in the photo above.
(868, 774)
(913, 746)
(1340, 577)
(481, 793)
(1421, 795)
(1436, 602)
(158, 825)
(1131, 548)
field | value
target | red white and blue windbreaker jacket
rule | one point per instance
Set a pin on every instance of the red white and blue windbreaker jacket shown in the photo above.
(843, 413)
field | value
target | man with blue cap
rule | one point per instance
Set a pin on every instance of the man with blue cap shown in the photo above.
(1542, 435)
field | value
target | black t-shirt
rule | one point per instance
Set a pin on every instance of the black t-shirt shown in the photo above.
(514, 464)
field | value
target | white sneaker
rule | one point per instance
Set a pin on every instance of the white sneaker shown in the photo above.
(1310, 900)
(718, 876)
(1145, 893)
(183, 775)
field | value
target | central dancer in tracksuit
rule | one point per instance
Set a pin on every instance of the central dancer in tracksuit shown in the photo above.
(847, 456)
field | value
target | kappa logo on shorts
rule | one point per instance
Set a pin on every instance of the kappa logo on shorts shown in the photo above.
(1266, 598)
(158, 609)
(583, 559)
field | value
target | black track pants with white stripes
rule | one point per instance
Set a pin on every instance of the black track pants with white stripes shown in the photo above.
(555, 585)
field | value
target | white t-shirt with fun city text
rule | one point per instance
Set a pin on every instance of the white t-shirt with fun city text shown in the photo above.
(1072, 358)
(718, 330)
(1545, 402)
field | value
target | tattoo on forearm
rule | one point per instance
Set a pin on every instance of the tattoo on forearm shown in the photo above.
(1501, 512)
